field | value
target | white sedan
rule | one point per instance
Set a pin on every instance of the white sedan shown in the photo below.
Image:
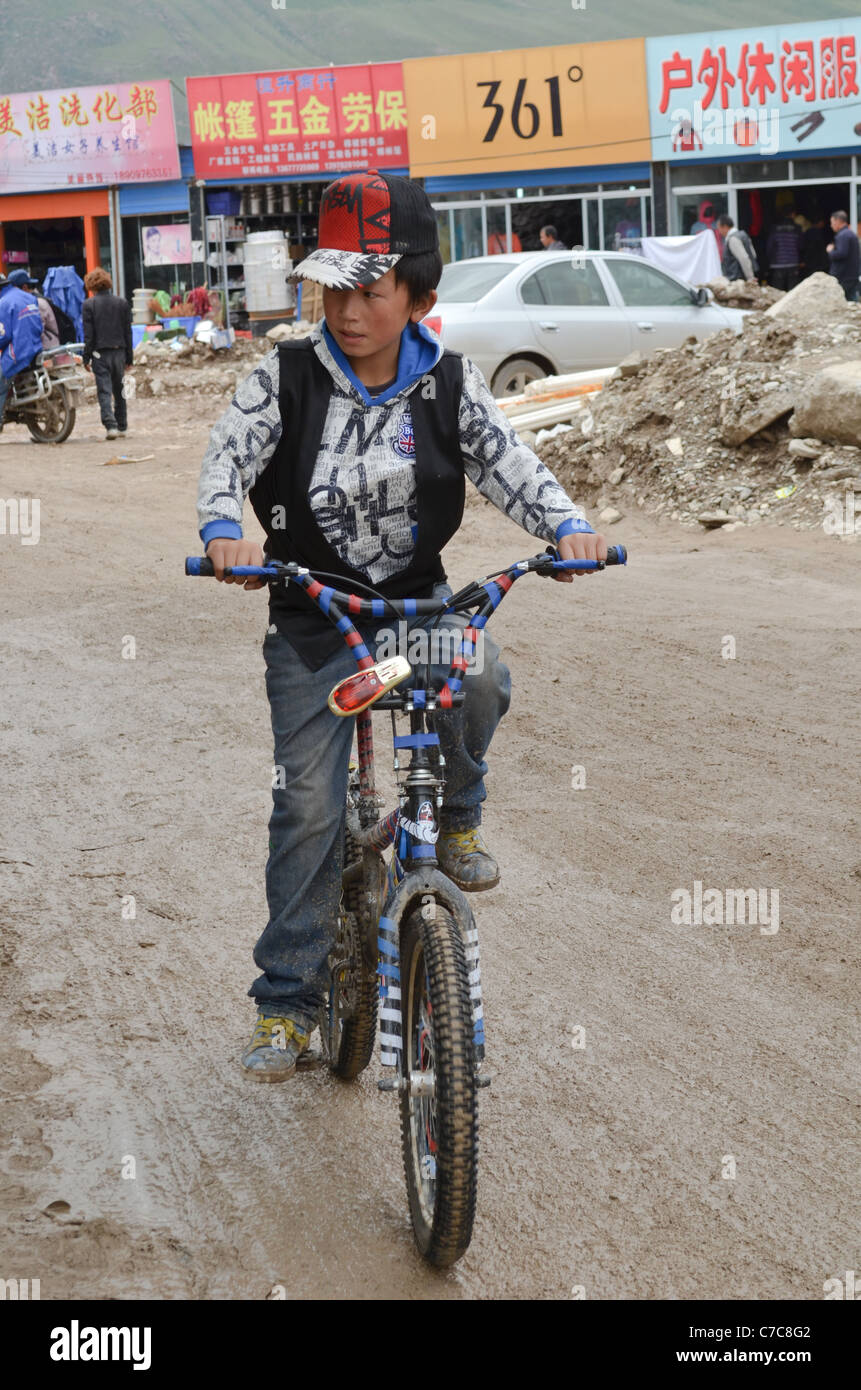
(540, 313)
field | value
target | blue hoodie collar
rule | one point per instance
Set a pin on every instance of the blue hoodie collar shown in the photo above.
(419, 351)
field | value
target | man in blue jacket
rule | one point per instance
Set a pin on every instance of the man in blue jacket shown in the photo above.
(20, 335)
(844, 255)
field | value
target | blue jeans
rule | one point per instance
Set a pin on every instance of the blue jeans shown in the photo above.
(312, 756)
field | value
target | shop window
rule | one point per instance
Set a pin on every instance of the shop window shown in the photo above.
(822, 168)
(696, 211)
(565, 283)
(761, 171)
(697, 175)
(527, 219)
(622, 221)
(642, 286)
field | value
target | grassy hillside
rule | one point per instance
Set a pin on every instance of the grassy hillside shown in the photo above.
(43, 44)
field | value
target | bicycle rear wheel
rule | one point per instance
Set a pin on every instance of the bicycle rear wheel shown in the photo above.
(439, 1109)
(354, 990)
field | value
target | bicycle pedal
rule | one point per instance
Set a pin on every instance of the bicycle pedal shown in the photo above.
(309, 1061)
(483, 1079)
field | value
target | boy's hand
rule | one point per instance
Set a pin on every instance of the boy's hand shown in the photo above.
(580, 546)
(226, 552)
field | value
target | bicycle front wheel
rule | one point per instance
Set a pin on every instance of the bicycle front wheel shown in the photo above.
(439, 1109)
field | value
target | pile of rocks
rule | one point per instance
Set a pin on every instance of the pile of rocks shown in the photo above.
(732, 429)
(743, 294)
(181, 365)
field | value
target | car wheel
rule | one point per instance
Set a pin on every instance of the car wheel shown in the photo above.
(512, 377)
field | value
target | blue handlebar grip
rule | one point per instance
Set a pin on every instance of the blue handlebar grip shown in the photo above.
(200, 565)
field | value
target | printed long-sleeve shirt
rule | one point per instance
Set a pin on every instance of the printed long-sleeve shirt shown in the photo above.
(364, 467)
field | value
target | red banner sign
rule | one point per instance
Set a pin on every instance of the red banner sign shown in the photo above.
(311, 121)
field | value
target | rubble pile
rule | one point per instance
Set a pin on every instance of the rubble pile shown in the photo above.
(180, 365)
(743, 294)
(732, 429)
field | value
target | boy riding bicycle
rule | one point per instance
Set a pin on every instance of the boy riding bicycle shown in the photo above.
(352, 445)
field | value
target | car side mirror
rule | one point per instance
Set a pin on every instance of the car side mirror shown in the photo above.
(700, 296)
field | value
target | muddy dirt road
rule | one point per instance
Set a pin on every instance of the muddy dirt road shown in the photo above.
(601, 1166)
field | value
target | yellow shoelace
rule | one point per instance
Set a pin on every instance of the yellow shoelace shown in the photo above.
(286, 1030)
(466, 840)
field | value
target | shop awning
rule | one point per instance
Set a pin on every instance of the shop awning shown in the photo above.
(539, 178)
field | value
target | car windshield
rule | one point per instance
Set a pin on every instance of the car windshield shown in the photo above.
(464, 282)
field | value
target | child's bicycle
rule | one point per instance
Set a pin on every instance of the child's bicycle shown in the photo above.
(407, 946)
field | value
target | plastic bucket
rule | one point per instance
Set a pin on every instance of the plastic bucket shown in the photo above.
(267, 266)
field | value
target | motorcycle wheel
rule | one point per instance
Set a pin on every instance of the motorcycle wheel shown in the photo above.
(52, 420)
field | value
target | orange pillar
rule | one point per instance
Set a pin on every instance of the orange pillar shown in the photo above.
(91, 242)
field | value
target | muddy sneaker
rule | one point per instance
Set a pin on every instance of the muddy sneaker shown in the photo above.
(111, 434)
(275, 1047)
(464, 856)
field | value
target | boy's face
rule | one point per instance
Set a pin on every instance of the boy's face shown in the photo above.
(368, 320)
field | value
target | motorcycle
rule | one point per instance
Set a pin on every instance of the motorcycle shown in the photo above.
(46, 395)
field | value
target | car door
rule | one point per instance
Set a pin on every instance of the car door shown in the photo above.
(660, 308)
(571, 316)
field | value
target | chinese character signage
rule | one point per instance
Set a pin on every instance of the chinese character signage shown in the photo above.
(307, 121)
(788, 89)
(119, 133)
(528, 108)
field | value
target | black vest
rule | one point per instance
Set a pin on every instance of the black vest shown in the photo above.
(305, 388)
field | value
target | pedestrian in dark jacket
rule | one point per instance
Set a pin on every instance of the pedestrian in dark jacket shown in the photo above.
(739, 257)
(844, 255)
(784, 254)
(108, 348)
(20, 335)
(814, 257)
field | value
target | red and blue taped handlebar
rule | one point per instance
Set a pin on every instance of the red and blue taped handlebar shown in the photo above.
(336, 606)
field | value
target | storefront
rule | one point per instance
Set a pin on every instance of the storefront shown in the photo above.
(510, 142)
(762, 124)
(77, 147)
(149, 250)
(476, 221)
(265, 145)
(39, 230)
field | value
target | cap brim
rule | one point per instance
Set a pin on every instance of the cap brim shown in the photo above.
(343, 270)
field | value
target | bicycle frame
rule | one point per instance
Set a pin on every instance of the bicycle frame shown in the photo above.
(412, 828)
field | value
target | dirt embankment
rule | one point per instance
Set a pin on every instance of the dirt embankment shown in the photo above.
(733, 430)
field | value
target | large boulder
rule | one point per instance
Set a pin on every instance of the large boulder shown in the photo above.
(815, 299)
(830, 406)
(750, 404)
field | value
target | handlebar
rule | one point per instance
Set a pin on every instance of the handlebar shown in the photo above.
(341, 608)
(202, 567)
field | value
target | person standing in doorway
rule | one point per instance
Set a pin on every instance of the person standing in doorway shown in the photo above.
(107, 348)
(843, 254)
(739, 258)
(549, 238)
(783, 249)
(813, 254)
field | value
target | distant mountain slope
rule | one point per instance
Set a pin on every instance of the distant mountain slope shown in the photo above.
(43, 44)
